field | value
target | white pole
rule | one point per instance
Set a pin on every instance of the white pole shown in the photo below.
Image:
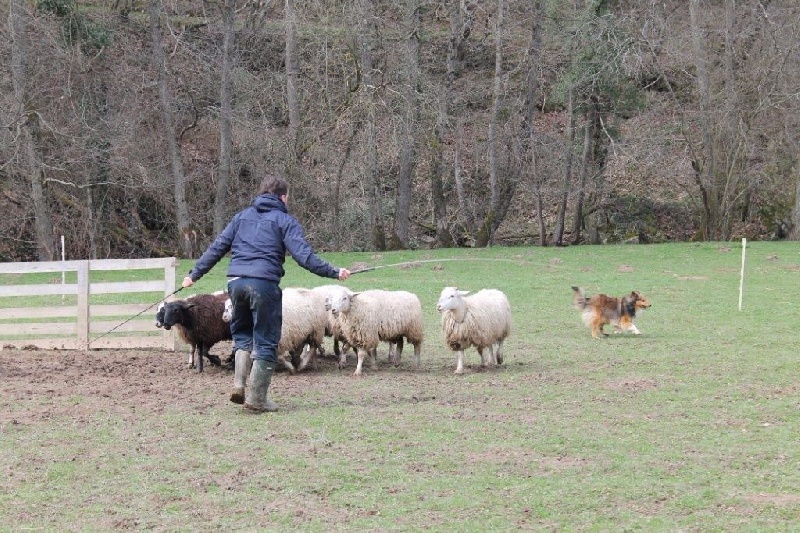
(741, 276)
(63, 272)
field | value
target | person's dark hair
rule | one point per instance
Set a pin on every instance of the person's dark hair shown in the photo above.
(276, 185)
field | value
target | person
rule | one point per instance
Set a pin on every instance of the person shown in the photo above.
(258, 238)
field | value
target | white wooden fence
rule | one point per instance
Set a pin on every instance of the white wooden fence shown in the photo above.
(27, 326)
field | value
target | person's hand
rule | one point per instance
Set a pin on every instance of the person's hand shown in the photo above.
(187, 282)
(343, 274)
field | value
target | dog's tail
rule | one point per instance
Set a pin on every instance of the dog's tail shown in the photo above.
(578, 298)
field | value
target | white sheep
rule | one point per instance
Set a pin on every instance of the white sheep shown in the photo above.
(481, 320)
(334, 328)
(302, 328)
(369, 317)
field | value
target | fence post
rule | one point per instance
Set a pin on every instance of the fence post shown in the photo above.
(169, 288)
(83, 305)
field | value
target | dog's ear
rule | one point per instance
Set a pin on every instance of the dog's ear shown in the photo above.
(635, 295)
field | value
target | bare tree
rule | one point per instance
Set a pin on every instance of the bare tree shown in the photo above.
(795, 215)
(465, 214)
(566, 180)
(292, 84)
(28, 130)
(529, 118)
(720, 165)
(225, 115)
(408, 151)
(460, 29)
(170, 138)
(372, 178)
(501, 187)
(586, 168)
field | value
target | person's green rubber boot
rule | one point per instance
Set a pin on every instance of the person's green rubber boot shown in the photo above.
(242, 364)
(256, 398)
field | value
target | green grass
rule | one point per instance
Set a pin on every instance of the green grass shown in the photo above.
(690, 426)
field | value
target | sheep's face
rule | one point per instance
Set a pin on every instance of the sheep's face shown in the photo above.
(332, 292)
(227, 314)
(160, 315)
(176, 313)
(450, 299)
(339, 303)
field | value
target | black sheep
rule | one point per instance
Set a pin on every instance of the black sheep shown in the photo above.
(198, 320)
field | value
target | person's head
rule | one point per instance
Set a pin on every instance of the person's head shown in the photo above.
(274, 184)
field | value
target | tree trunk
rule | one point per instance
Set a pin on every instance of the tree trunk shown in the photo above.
(459, 29)
(704, 169)
(402, 214)
(292, 79)
(485, 236)
(795, 229)
(443, 237)
(586, 167)
(186, 234)
(374, 188)
(337, 187)
(225, 116)
(29, 131)
(464, 213)
(734, 166)
(529, 118)
(537, 192)
(558, 231)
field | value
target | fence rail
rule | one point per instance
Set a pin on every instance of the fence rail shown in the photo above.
(88, 322)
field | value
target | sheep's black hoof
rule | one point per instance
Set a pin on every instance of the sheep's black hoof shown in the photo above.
(214, 360)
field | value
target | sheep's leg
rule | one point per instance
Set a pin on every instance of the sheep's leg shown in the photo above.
(307, 357)
(392, 349)
(460, 365)
(398, 352)
(373, 358)
(191, 356)
(287, 363)
(346, 347)
(492, 358)
(484, 362)
(213, 359)
(499, 352)
(342, 360)
(304, 358)
(417, 354)
(294, 357)
(336, 350)
(362, 353)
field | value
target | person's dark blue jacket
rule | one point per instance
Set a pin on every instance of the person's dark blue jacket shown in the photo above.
(258, 239)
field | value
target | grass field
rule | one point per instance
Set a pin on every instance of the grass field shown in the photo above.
(691, 426)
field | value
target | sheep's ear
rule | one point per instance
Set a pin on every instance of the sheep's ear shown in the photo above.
(464, 293)
(354, 294)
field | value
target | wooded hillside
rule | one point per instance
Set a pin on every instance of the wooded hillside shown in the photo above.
(136, 128)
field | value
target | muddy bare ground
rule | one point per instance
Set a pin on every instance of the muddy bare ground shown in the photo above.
(143, 380)
(146, 379)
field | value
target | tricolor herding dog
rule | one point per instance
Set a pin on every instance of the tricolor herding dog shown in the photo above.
(600, 309)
